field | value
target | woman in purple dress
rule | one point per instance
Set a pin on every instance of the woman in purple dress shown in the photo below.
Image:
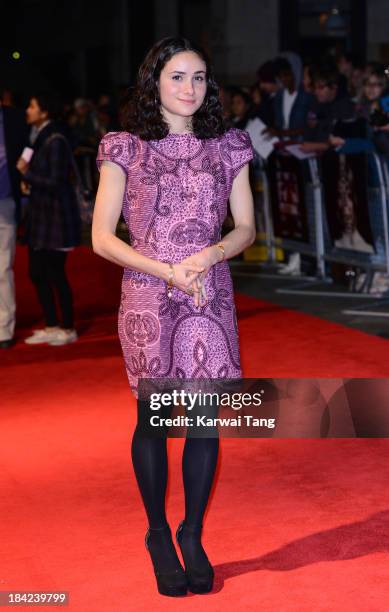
(171, 174)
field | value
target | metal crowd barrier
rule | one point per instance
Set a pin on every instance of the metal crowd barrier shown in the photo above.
(372, 309)
(317, 241)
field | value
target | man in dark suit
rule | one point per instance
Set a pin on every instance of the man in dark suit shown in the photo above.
(13, 137)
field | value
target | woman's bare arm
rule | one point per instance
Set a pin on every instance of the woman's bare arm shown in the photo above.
(242, 210)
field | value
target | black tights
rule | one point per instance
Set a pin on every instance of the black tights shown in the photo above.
(47, 272)
(199, 459)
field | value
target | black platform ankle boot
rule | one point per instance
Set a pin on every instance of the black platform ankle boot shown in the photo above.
(200, 579)
(174, 582)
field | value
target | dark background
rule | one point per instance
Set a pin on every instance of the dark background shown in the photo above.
(80, 47)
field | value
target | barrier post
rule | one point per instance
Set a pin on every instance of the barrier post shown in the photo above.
(384, 184)
(270, 246)
(318, 206)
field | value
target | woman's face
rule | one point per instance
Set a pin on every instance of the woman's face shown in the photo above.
(238, 106)
(373, 88)
(182, 84)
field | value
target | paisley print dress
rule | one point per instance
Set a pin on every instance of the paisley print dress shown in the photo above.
(174, 205)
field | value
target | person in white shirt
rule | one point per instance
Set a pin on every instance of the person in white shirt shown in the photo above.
(291, 107)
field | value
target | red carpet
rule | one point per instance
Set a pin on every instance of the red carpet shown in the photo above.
(296, 525)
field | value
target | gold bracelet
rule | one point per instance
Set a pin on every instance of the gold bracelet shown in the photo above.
(220, 246)
(170, 281)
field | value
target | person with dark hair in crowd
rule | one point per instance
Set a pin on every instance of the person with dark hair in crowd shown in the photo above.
(85, 125)
(53, 223)
(327, 109)
(291, 102)
(308, 72)
(225, 97)
(345, 65)
(356, 82)
(376, 136)
(374, 85)
(172, 172)
(256, 99)
(241, 106)
(13, 137)
(104, 122)
(106, 114)
(260, 106)
(269, 85)
(267, 78)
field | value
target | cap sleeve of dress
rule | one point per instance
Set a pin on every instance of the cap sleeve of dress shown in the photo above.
(117, 147)
(240, 149)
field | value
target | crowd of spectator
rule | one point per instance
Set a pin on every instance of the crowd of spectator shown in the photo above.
(320, 105)
(341, 105)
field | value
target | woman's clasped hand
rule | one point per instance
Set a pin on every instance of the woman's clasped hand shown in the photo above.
(189, 275)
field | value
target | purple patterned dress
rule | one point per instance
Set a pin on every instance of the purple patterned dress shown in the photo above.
(174, 205)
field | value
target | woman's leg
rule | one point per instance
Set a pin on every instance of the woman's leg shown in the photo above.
(39, 275)
(149, 459)
(150, 462)
(59, 280)
(199, 461)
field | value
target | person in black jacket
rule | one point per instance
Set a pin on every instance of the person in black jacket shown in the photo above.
(329, 108)
(13, 137)
(53, 224)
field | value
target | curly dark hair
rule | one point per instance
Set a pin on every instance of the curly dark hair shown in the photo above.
(141, 113)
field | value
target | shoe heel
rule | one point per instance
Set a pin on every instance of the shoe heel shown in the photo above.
(172, 584)
(199, 581)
